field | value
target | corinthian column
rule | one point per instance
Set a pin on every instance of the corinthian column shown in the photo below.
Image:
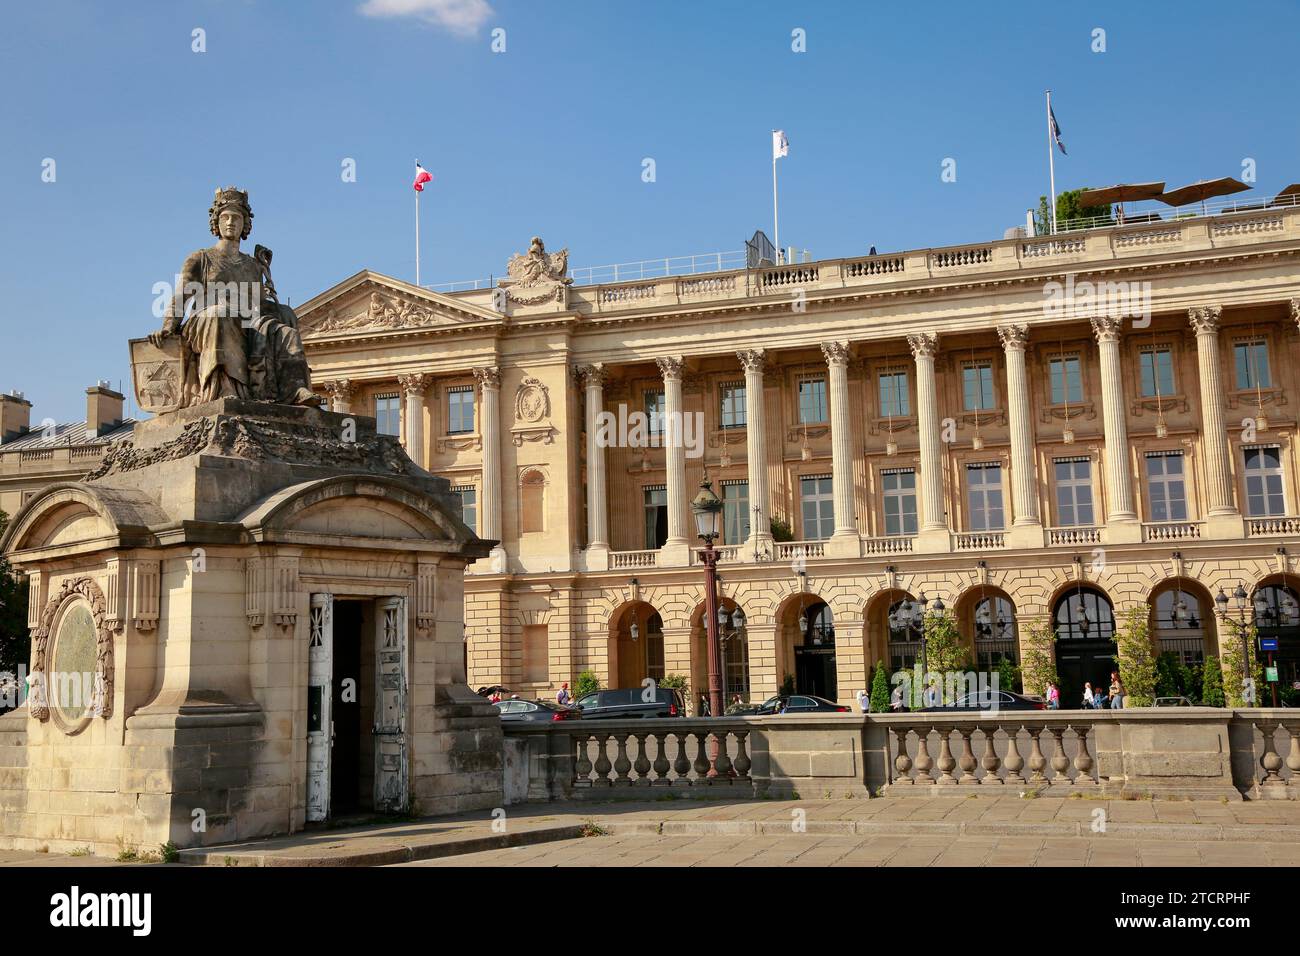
(676, 549)
(340, 393)
(593, 380)
(489, 382)
(845, 540)
(414, 387)
(1121, 515)
(760, 528)
(934, 528)
(1224, 516)
(1024, 481)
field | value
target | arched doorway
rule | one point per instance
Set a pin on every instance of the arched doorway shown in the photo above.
(1277, 616)
(814, 649)
(993, 625)
(733, 642)
(638, 644)
(1183, 616)
(1085, 641)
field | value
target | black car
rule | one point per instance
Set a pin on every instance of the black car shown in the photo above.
(633, 702)
(989, 701)
(801, 704)
(534, 711)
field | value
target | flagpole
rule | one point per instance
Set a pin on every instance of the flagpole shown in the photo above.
(1051, 160)
(776, 222)
(417, 237)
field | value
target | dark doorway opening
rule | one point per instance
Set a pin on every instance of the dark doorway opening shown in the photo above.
(814, 660)
(345, 762)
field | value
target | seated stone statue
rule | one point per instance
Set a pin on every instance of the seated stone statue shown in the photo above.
(239, 341)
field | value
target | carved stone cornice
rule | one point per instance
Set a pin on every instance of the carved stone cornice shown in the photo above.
(415, 385)
(836, 353)
(1014, 337)
(1107, 328)
(487, 377)
(752, 360)
(670, 366)
(923, 344)
(1206, 319)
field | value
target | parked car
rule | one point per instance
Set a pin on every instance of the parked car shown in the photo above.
(998, 700)
(801, 704)
(534, 711)
(631, 702)
(1173, 702)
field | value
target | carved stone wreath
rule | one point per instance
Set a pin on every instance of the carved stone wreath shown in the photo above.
(532, 401)
(101, 701)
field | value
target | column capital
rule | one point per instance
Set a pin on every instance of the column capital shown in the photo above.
(923, 344)
(1206, 319)
(1014, 337)
(670, 366)
(1295, 311)
(836, 353)
(752, 360)
(342, 389)
(415, 385)
(593, 375)
(1107, 328)
(488, 377)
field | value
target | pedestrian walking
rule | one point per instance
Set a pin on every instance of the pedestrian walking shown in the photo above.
(896, 698)
(1117, 694)
(1053, 697)
(1088, 702)
(864, 702)
(563, 697)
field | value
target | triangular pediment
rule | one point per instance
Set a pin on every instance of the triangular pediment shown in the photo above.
(369, 302)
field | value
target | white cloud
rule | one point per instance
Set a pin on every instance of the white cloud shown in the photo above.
(461, 17)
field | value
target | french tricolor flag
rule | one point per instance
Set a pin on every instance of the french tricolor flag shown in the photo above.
(422, 176)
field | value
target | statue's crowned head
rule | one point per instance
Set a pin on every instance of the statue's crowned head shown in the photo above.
(235, 200)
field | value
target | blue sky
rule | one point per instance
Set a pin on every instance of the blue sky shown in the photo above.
(549, 136)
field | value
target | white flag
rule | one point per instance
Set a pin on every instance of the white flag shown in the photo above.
(780, 145)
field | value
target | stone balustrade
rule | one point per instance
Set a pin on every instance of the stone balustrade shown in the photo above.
(1192, 753)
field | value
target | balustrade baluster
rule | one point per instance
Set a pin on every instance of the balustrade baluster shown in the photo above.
(722, 763)
(661, 764)
(1013, 762)
(1270, 761)
(682, 763)
(603, 765)
(1036, 759)
(742, 762)
(1293, 758)
(924, 762)
(902, 762)
(582, 760)
(701, 759)
(642, 763)
(621, 764)
(1060, 762)
(990, 761)
(946, 762)
(967, 759)
(1082, 758)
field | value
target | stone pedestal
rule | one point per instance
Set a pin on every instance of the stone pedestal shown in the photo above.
(225, 586)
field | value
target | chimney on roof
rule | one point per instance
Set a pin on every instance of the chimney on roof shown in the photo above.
(103, 409)
(15, 416)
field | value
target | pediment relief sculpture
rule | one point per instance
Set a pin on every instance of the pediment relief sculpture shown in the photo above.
(384, 312)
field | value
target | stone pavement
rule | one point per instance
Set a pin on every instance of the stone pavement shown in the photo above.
(1136, 831)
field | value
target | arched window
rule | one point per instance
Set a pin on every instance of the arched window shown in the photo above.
(532, 502)
(995, 632)
(1086, 615)
(735, 659)
(1180, 625)
(904, 623)
(817, 625)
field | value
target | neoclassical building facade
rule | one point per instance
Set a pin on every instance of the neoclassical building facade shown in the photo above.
(1047, 429)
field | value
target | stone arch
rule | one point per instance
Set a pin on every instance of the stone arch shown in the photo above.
(68, 513)
(735, 663)
(636, 643)
(987, 618)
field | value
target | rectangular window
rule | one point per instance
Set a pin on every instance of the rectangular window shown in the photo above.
(537, 665)
(977, 386)
(1074, 492)
(984, 495)
(468, 495)
(812, 401)
(899, 486)
(653, 402)
(893, 395)
(1165, 485)
(1157, 367)
(1264, 496)
(460, 410)
(817, 506)
(735, 511)
(733, 404)
(1252, 364)
(656, 515)
(388, 414)
(1066, 379)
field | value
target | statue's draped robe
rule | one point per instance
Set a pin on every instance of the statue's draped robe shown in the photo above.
(240, 344)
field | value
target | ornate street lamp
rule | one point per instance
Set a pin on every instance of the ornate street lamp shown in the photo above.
(1240, 598)
(707, 509)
